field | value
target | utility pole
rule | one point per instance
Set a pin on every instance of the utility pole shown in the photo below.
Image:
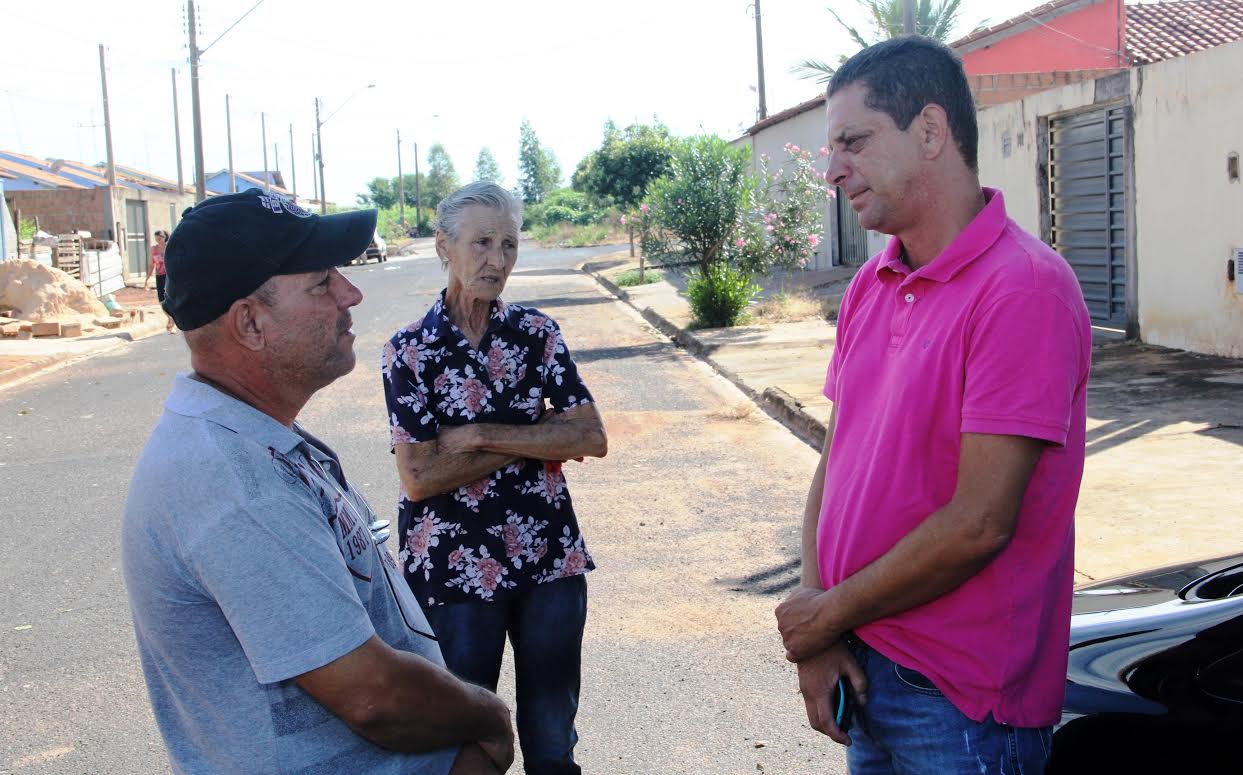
(276, 156)
(181, 183)
(759, 60)
(418, 197)
(200, 183)
(908, 16)
(112, 168)
(228, 128)
(319, 157)
(401, 182)
(293, 167)
(314, 180)
(263, 133)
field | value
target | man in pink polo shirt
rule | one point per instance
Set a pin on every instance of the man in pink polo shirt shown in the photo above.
(938, 539)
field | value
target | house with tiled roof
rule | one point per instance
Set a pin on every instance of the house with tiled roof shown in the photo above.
(1131, 175)
(67, 196)
(1071, 41)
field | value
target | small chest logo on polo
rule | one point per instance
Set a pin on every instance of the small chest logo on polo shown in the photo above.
(278, 204)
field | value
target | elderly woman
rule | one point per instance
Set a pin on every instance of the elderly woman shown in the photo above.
(484, 403)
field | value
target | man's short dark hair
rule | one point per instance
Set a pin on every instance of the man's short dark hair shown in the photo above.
(904, 74)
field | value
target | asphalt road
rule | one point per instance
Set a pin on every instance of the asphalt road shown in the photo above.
(692, 519)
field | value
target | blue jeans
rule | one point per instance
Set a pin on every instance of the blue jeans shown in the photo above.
(909, 728)
(545, 627)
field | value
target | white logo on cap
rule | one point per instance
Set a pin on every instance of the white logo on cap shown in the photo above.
(277, 204)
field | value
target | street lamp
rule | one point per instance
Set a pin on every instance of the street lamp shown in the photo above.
(319, 141)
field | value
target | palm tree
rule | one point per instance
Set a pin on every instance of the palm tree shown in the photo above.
(885, 16)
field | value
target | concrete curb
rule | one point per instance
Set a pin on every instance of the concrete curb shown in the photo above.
(29, 368)
(777, 403)
(38, 364)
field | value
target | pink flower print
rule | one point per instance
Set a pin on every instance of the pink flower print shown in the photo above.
(388, 358)
(420, 537)
(550, 349)
(541, 549)
(399, 434)
(490, 572)
(474, 394)
(442, 380)
(456, 556)
(509, 534)
(496, 364)
(479, 489)
(575, 562)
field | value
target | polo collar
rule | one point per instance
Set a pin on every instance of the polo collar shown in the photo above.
(193, 398)
(436, 322)
(971, 243)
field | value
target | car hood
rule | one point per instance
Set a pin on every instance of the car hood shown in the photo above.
(1192, 581)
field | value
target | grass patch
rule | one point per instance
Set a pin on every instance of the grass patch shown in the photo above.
(791, 307)
(630, 277)
(567, 235)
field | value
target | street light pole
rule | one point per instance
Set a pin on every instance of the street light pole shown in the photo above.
(759, 60)
(181, 183)
(319, 141)
(319, 157)
(908, 16)
(418, 197)
(401, 183)
(228, 130)
(200, 184)
(293, 168)
(263, 134)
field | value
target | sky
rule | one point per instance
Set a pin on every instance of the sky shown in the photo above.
(464, 74)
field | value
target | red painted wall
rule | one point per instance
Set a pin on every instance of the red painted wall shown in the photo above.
(1089, 38)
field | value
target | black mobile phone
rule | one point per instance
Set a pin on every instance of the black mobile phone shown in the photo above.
(843, 704)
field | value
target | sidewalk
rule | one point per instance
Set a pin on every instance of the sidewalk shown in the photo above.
(1165, 427)
(23, 359)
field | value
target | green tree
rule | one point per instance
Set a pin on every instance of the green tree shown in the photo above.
(381, 193)
(625, 163)
(486, 168)
(442, 178)
(538, 170)
(934, 21)
(705, 197)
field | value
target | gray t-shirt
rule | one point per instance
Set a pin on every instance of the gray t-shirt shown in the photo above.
(248, 562)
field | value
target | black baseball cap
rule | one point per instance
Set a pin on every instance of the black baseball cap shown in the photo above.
(227, 246)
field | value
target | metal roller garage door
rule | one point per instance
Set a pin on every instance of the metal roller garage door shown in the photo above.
(1087, 206)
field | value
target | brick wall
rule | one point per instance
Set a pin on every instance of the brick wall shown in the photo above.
(63, 210)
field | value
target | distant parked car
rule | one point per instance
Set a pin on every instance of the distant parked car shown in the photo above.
(378, 249)
(1155, 681)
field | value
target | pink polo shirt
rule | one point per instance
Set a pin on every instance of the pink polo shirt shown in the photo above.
(991, 337)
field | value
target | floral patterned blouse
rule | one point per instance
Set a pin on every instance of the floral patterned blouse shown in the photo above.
(515, 527)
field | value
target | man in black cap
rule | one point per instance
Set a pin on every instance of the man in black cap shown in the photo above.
(275, 630)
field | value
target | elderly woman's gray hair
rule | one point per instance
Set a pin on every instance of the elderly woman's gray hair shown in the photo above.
(451, 209)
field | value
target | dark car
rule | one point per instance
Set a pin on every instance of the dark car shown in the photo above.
(1155, 681)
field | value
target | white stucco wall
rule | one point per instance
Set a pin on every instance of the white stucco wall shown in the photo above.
(1187, 118)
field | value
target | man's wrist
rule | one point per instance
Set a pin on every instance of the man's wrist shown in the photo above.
(828, 617)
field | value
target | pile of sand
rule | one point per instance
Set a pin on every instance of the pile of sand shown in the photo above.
(41, 293)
